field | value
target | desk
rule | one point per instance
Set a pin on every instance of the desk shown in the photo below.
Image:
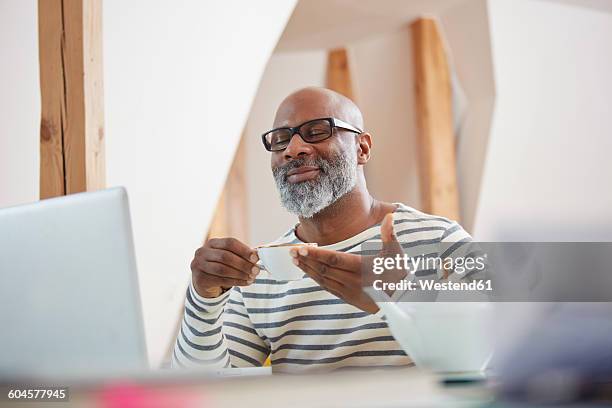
(408, 387)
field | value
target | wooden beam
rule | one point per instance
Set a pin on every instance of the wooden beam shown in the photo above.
(231, 214)
(72, 152)
(436, 139)
(338, 73)
(52, 182)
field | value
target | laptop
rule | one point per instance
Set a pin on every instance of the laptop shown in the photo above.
(70, 300)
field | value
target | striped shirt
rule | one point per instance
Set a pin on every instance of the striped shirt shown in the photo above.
(298, 324)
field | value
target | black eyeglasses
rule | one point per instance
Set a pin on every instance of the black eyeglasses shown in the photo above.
(313, 131)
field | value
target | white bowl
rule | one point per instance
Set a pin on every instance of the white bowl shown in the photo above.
(445, 337)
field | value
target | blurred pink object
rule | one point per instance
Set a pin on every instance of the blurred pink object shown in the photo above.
(128, 395)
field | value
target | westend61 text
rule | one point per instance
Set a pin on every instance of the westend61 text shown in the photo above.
(406, 285)
(458, 265)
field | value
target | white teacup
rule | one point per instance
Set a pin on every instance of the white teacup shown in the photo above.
(279, 264)
(449, 338)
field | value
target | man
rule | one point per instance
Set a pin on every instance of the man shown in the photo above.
(236, 316)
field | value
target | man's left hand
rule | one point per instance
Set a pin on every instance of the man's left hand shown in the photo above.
(341, 273)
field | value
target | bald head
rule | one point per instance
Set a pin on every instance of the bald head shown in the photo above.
(312, 103)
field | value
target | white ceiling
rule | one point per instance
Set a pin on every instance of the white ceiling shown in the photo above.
(599, 5)
(327, 24)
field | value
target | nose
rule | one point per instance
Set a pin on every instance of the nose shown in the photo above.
(297, 147)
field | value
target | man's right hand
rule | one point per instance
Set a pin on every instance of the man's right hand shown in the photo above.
(222, 263)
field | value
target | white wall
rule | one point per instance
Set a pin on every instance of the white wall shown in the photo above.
(466, 32)
(384, 82)
(548, 170)
(179, 81)
(19, 102)
(384, 88)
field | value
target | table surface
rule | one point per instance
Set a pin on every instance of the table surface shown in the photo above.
(406, 387)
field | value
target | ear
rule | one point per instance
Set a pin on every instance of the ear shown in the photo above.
(364, 148)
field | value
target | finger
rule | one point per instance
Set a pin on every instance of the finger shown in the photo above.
(223, 271)
(390, 244)
(334, 259)
(235, 246)
(218, 281)
(387, 233)
(230, 259)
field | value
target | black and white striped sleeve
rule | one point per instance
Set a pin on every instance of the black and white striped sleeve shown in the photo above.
(218, 333)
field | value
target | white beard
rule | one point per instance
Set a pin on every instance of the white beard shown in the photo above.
(337, 177)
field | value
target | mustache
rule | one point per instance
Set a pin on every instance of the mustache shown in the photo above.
(281, 171)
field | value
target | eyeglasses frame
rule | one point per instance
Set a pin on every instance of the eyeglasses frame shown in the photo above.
(334, 123)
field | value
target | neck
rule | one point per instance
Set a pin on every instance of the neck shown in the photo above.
(349, 215)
